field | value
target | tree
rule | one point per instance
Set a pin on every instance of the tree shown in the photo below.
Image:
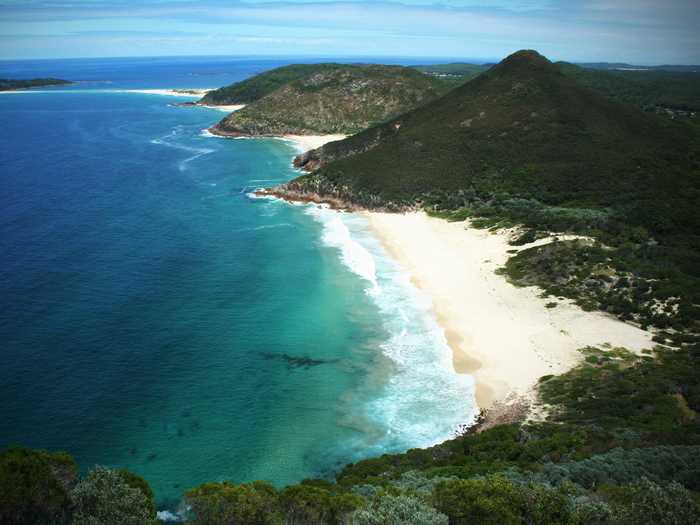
(137, 482)
(488, 501)
(307, 504)
(226, 503)
(653, 504)
(35, 486)
(398, 510)
(105, 498)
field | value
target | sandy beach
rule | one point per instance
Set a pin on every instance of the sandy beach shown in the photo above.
(503, 335)
(226, 109)
(309, 142)
(302, 142)
(185, 92)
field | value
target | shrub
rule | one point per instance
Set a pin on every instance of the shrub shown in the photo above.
(621, 466)
(226, 503)
(589, 512)
(487, 501)
(304, 504)
(546, 506)
(398, 510)
(105, 498)
(653, 504)
(137, 482)
(417, 482)
(35, 486)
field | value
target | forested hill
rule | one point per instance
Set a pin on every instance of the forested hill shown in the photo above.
(526, 144)
(524, 127)
(7, 84)
(258, 86)
(326, 99)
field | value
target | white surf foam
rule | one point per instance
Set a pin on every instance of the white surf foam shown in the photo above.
(167, 141)
(425, 400)
(206, 133)
(337, 235)
(264, 227)
(167, 516)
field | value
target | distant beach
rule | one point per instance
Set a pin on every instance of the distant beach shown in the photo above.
(188, 92)
(309, 142)
(303, 143)
(503, 335)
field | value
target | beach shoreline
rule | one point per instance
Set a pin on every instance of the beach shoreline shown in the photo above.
(226, 108)
(303, 143)
(184, 92)
(506, 337)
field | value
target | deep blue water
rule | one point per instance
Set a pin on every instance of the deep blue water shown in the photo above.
(155, 316)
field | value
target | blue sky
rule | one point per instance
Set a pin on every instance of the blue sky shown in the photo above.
(636, 31)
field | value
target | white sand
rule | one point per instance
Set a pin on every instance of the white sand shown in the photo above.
(309, 142)
(227, 109)
(185, 92)
(501, 334)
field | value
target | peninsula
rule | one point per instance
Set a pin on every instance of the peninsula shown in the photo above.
(322, 99)
(7, 84)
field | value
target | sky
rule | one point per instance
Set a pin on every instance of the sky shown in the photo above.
(648, 32)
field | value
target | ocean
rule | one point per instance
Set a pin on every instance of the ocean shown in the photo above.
(156, 316)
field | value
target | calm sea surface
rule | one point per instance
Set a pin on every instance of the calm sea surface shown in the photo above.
(155, 316)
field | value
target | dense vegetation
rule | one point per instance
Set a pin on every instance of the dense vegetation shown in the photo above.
(329, 98)
(7, 84)
(527, 145)
(42, 488)
(258, 86)
(651, 90)
(620, 445)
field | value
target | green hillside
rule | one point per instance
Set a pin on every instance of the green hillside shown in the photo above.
(525, 144)
(331, 98)
(258, 86)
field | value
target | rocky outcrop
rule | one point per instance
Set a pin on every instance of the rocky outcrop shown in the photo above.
(318, 190)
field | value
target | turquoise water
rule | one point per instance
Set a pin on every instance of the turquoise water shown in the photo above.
(156, 316)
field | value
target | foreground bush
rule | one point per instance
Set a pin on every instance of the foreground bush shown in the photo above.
(308, 504)
(105, 498)
(35, 486)
(226, 503)
(653, 504)
(398, 510)
(486, 501)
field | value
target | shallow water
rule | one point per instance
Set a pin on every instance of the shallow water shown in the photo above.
(155, 316)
